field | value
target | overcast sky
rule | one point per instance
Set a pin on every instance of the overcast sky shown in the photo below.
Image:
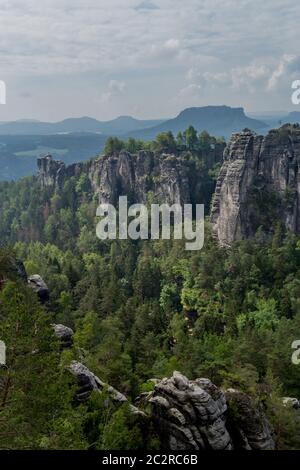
(147, 58)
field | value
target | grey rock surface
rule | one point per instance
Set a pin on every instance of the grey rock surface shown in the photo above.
(190, 414)
(247, 423)
(134, 175)
(197, 415)
(258, 185)
(39, 286)
(64, 334)
(89, 382)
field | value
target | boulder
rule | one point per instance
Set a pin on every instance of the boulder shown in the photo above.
(190, 414)
(89, 382)
(291, 402)
(64, 334)
(39, 286)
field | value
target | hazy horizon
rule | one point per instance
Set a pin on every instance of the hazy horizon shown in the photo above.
(255, 114)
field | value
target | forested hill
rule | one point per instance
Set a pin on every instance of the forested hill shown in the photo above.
(76, 139)
(220, 121)
(140, 311)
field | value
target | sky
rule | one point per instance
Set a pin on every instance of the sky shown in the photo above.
(146, 58)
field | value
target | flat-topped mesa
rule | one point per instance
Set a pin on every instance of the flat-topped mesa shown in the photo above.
(258, 185)
(168, 177)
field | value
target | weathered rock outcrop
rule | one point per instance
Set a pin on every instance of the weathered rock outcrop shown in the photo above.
(64, 334)
(110, 176)
(51, 172)
(89, 382)
(247, 423)
(197, 415)
(259, 185)
(187, 414)
(135, 175)
(190, 415)
(39, 286)
(126, 174)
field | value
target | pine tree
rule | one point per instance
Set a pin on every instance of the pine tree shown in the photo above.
(35, 393)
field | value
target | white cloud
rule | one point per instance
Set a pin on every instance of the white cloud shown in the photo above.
(172, 44)
(73, 36)
(193, 90)
(115, 89)
(279, 71)
(116, 86)
(252, 77)
(227, 46)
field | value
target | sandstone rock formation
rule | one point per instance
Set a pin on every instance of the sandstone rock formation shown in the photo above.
(135, 175)
(258, 185)
(39, 286)
(197, 415)
(64, 334)
(247, 423)
(51, 172)
(190, 415)
(89, 382)
(110, 176)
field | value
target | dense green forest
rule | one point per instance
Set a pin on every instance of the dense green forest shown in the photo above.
(140, 309)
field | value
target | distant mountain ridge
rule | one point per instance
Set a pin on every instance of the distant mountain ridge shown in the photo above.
(277, 119)
(78, 139)
(292, 118)
(217, 120)
(119, 126)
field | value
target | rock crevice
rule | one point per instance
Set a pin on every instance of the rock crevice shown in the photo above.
(258, 185)
(167, 176)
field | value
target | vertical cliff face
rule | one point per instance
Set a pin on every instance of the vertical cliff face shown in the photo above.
(51, 172)
(169, 178)
(258, 185)
(136, 175)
